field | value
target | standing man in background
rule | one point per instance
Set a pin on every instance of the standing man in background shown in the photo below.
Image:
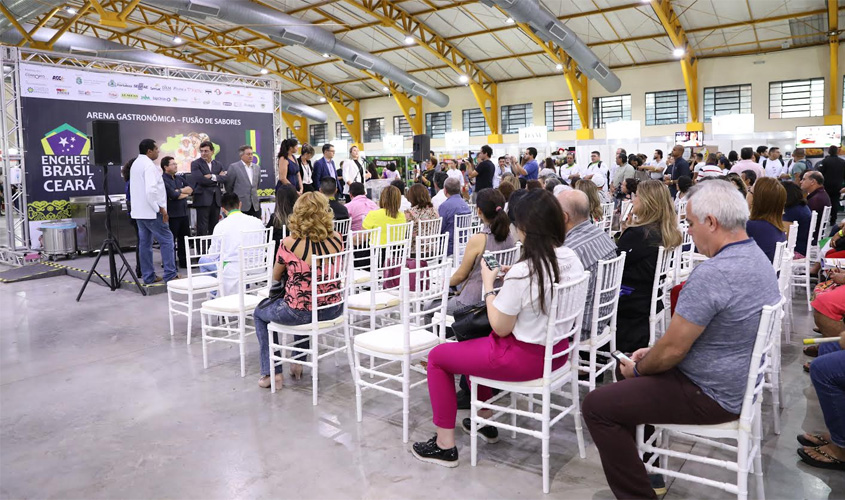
(207, 175)
(774, 165)
(833, 170)
(177, 206)
(484, 172)
(527, 168)
(597, 172)
(149, 209)
(500, 171)
(799, 165)
(325, 167)
(681, 169)
(243, 178)
(656, 167)
(570, 172)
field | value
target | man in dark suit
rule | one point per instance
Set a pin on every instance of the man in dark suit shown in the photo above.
(325, 167)
(206, 177)
(177, 206)
(242, 179)
(680, 169)
(329, 188)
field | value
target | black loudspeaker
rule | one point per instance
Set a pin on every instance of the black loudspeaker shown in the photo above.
(105, 142)
(422, 148)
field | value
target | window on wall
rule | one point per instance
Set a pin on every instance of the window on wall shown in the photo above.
(289, 134)
(341, 133)
(437, 124)
(796, 98)
(612, 108)
(402, 127)
(515, 117)
(373, 129)
(473, 121)
(667, 107)
(562, 115)
(319, 134)
(727, 100)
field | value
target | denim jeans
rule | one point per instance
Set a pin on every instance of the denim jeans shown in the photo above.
(280, 312)
(828, 375)
(147, 230)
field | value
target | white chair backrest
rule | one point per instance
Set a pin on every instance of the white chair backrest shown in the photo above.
(463, 229)
(387, 263)
(605, 292)
(400, 232)
(824, 224)
(682, 210)
(683, 254)
(365, 241)
(342, 226)
(252, 238)
(208, 248)
(791, 239)
(662, 276)
(431, 297)
(762, 357)
(506, 257)
(811, 234)
(780, 250)
(566, 315)
(607, 216)
(431, 248)
(255, 270)
(429, 227)
(785, 276)
(329, 281)
(625, 210)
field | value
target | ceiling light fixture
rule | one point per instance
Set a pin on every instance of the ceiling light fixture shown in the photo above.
(177, 39)
(509, 20)
(385, 89)
(322, 99)
(71, 11)
(264, 71)
(325, 54)
(679, 52)
(559, 67)
(463, 78)
(409, 40)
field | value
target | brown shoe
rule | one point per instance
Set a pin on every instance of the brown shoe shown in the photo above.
(158, 278)
(264, 382)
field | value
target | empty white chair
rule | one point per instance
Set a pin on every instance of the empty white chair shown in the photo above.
(429, 227)
(403, 344)
(746, 431)
(606, 222)
(683, 255)
(463, 229)
(329, 289)
(182, 293)
(605, 305)
(380, 299)
(565, 318)
(400, 232)
(342, 227)
(772, 383)
(363, 243)
(659, 293)
(682, 210)
(431, 249)
(801, 267)
(785, 282)
(255, 276)
(824, 225)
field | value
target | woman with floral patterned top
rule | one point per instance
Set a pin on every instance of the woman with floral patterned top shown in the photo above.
(311, 234)
(421, 209)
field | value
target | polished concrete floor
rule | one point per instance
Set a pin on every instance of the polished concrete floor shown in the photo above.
(97, 400)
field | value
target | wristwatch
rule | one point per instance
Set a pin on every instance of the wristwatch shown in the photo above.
(494, 292)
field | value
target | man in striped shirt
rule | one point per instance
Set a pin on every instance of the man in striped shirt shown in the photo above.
(589, 243)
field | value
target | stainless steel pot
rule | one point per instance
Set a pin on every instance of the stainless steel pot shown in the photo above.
(58, 237)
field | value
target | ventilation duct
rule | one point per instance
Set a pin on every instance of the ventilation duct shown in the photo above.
(299, 109)
(549, 28)
(290, 30)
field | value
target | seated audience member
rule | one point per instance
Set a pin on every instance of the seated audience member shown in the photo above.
(594, 195)
(629, 188)
(511, 179)
(766, 225)
(827, 451)
(388, 215)
(400, 185)
(684, 183)
(837, 243)
(748, 163)
(440, 197)
(589, 243)
(652, 224)
(328, 186)
(749, 178)
(359, 206)
(796, 210)
(311, 234)
(454, 205)
(389, 172)
(697, 372)
(518, 315)
(817, 198)
(231, 232)
(533, 184)
(739, 184)
(507, 189)
(286, 197)
(550, 183)
(494, 236)
(421, 209)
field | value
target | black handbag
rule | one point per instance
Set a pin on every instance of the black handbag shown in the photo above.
(471, 322)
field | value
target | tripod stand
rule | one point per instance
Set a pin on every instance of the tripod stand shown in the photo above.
(111, 247)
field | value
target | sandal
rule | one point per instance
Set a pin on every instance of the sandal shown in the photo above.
(833, 464)
(820, 440)
(806, 367)
(812, 351)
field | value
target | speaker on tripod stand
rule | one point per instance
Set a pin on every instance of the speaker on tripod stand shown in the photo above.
(105, 152)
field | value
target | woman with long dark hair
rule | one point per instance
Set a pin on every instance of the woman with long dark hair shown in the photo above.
(515, 349)
(288, 167)
(494, 236)
(305, 167)
(286, 197)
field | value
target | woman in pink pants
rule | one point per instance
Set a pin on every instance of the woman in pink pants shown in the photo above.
(518, 314)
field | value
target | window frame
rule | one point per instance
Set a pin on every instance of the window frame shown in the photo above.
(312, 136)
(341, 133)
(397, 126)
(505, 117)
(599, 119)
(469, 122)
(366, 133)
(430, 124)
(549, 112)
(742, 108)
(657, 115)
(813, 109)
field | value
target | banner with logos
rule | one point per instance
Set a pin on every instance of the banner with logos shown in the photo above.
(57, 146)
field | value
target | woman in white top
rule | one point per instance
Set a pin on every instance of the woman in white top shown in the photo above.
(354, 169)
(305, 167)
(518, 314)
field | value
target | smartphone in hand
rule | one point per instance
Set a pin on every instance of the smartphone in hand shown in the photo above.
(491, 261)
(619, 355)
